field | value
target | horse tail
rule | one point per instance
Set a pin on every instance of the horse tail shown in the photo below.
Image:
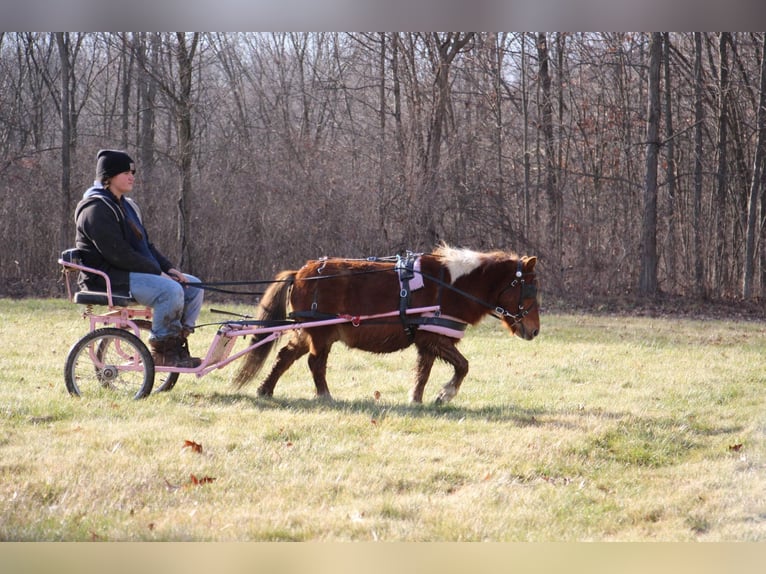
(273, 307)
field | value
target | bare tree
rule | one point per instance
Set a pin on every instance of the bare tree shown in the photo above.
(174, 75)
(63, 43)
(525, 132)
(756, 184)
(720, 239)
(145, 47)
(648, 277)
(444, 49)
(671, 239)
(699, 258)
(187, 49)
(551, 186)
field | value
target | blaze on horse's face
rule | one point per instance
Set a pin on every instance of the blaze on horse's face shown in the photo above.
(521, 301)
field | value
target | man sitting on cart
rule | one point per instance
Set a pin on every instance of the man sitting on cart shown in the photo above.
(112, 238)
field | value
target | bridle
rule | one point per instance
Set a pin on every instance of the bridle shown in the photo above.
(528, 291)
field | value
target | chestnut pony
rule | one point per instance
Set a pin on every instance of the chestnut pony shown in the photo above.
(464, 285)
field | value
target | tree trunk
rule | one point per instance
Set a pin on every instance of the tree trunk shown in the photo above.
(722, 172)
(65, 235)
(148, 90)
(185, 143)
(755, 185)
(525, 134)
(382, 124)
(447, 49)
(551, 190)
(671, 242)
(648, 276)
(126, 59)
(699, 259)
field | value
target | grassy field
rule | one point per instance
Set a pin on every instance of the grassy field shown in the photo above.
(602, 429)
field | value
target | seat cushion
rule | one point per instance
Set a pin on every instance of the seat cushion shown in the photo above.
(100, 298)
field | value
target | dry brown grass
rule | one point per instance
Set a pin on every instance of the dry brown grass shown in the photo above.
(603, 429)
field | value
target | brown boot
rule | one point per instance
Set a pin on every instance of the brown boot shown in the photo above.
(172, 352)
(185, 356)
(164, 352)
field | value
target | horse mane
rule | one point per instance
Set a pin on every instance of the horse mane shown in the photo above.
(461, 261)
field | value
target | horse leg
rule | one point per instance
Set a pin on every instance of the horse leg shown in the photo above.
(449, 353)
(422, 372)
(287, 355)
(318, 366)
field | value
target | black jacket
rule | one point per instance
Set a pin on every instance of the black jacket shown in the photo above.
(103, 240)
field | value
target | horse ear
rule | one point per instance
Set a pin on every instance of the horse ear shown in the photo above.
(529, 263)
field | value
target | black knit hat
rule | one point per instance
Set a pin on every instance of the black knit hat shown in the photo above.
(111, 162)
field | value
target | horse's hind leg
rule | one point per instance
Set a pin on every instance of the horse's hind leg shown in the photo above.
(287, 355)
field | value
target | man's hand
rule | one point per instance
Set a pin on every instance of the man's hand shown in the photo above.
(177, 275)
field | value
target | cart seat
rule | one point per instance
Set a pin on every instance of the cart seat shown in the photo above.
(100, 298)
(71, 260)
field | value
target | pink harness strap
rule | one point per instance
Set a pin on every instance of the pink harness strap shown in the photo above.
(441, 329)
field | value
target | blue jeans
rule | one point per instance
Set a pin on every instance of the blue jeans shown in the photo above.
(174, 306)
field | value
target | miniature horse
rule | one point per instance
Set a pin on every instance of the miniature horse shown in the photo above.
(466, 285)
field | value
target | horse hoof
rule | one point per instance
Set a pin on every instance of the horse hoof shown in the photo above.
(443, 399)
(264, 393)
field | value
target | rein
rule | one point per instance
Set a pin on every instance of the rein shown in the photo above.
(217, 285)
(528, 290)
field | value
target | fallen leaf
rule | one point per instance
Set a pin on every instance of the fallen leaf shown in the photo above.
(196, 447)
(202, 480)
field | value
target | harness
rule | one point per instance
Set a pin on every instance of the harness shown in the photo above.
(411, 279)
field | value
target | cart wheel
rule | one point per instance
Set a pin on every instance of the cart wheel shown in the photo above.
(112, 360)
(166, 381)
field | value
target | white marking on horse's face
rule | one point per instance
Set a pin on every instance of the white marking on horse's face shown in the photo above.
(460, 261)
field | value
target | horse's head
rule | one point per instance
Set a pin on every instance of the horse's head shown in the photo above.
(517, 303)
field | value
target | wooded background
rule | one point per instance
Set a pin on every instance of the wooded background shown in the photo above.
(631, 164)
